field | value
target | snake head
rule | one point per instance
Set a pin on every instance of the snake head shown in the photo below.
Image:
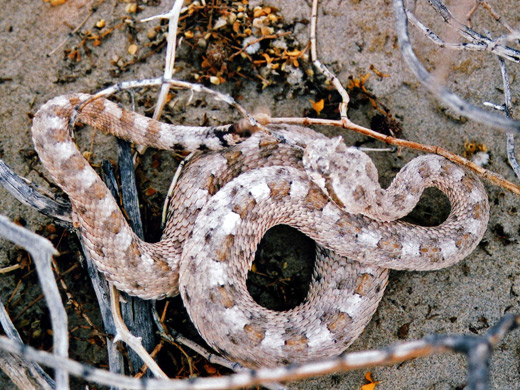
(346, 174)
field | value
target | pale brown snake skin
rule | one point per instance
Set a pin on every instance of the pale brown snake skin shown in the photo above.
(230, 195)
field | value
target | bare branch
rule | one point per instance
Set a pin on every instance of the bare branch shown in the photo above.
(41, 250)
(133, 342)
(508, 109)
(27, 194)
(322, 68)
(476, 41)
(478, 349)
(448, 98)
(493, 177)
(179, 84)
(171, 47)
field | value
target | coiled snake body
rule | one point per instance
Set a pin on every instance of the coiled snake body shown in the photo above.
(230, 195)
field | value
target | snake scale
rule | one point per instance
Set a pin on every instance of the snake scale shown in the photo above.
(242, 183)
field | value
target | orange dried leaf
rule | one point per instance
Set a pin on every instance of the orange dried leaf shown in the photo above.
(150, 191)
(318, 106)
(294, 53)
(55, 3)
(372, 384)
(210, 369)
(267, 58)
(377, 72)
(266, 31)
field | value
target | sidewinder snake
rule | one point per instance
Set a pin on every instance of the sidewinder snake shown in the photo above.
(230, 194)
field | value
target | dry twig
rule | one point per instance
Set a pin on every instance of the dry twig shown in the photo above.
(42, 250)
(477, 349)
(431, 83)
(171, 46)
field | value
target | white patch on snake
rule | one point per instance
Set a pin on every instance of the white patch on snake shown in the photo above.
(299, 189)
(217, 270)
(141, 123)
(64, 150)
(115, 111)
(146, 258)
(318, 336)
(369, 238)
(457, 175)
(55, 122)
(106, 206)
(273, 339)
(409, 199)
(217, 163)
(190, 143)
(351, 305)
(229, 223)
(473, 226)
(235, 318)
(476, 195)
(167, 136)
(410, 248)
(123, 239)
(213, 143)
(448, 249)
(332, 212)
(260, 191)
(86, 177)
(61, 101)
(435, 166)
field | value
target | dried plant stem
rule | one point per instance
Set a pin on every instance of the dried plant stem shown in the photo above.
(133, 342)
(508, 110)
(478, 350)
(23, 190)
(345, 99)
(448, 98)
(176, 83)
(42, 251)
(171, 47)
(493, 177)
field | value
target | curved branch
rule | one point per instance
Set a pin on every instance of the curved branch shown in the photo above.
(27, 194)
(477, 349)
(448, 98)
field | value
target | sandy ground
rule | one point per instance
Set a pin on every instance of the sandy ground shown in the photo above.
(353, 35)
